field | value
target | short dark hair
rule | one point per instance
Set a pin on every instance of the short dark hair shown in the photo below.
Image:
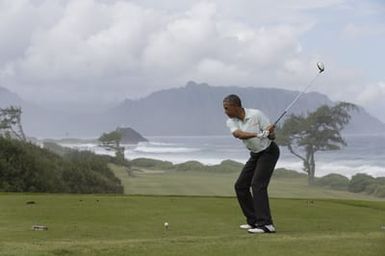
(234, 99)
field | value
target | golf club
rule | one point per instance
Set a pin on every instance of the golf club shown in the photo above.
(321, 69)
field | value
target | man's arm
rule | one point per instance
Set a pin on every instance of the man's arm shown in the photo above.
(242, 135)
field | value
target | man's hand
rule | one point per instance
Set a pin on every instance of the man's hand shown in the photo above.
(271, 129)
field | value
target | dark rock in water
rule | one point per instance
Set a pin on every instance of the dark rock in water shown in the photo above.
(130, 136)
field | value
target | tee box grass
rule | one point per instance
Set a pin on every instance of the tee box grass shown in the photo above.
(134, 225)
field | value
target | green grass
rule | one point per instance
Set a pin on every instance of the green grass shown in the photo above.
(220, 184)
(204, 220)
(133, 225)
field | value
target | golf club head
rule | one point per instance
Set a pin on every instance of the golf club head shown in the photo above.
(321, 67)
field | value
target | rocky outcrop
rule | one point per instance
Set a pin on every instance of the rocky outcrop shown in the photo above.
(130, 136)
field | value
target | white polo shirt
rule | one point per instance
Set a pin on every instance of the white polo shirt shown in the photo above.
(254, 121)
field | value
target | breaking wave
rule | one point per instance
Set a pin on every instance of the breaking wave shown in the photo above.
(161, 148)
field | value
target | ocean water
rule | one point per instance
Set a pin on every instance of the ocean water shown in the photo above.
(364, 153)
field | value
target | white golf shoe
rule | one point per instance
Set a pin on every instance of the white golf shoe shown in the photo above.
(262, 229)
(246, 226)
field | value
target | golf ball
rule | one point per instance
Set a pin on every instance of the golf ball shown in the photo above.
(166, 224)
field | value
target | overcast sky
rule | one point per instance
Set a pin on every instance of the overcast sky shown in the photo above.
(104, 51)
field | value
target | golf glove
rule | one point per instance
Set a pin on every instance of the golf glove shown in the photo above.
(263, 134)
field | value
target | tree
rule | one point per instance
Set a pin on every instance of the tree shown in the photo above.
(10, 122)
(318, 131)
(112, 141)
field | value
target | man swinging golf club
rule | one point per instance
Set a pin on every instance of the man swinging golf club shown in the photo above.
(254, 129)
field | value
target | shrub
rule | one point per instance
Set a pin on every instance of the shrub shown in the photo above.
(286, 173)
(380, 191)
(25, 167)
(28, 168)
(226, 166)
(231, 164)
(151, 163)
(190, 166)
(371, 188)
(359, 182)
(377, 187)
(333, 181)
(89, 173)
(56, 148)
(380, 180)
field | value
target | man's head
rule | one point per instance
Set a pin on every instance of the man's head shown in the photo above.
(233, 106)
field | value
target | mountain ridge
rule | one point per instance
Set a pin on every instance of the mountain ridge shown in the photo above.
(193, 109)
(202, 104)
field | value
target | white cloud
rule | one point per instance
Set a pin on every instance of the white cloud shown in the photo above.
(372, 98)
(217, 72)
(107, 50)
(372, 93)
(182, 41)
(78, 47)
(314, 4)
(127, 40)
(19, 21)
(361, 31)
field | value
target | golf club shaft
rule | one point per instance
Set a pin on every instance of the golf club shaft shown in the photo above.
(296, 99)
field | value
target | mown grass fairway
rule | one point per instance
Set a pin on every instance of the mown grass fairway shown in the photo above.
(150, 182)
(133, 225)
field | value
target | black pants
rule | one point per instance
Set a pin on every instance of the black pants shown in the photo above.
(256, 174)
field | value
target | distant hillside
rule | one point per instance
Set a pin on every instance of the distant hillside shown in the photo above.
(43, 121)
(196, 109)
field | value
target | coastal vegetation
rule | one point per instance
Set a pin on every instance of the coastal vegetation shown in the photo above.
(25, 167)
